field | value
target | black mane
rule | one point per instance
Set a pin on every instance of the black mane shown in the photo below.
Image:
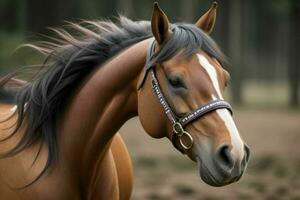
(70, 58)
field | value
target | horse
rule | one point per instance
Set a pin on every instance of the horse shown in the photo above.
(59, 130)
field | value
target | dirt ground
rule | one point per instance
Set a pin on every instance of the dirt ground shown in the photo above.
(162, 173)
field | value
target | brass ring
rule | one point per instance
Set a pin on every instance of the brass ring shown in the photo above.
(186, 147)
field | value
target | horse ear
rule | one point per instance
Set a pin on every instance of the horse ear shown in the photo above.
(160, 24)
(207, 21)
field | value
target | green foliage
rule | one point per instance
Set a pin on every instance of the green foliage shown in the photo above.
(279, 8)
(8, 44)
(12, 57)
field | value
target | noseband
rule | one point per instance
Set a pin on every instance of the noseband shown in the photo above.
(179, 123)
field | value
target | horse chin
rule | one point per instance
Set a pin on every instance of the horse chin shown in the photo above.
(212, 178)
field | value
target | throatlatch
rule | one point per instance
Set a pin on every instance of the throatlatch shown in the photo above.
(185, 138)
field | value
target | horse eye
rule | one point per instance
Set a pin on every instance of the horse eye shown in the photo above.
(176, 82)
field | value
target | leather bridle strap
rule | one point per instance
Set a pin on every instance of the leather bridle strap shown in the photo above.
(177, 122)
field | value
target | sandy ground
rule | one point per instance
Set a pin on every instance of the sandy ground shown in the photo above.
(162, 173)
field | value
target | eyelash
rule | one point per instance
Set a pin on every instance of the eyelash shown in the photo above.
(176, 82)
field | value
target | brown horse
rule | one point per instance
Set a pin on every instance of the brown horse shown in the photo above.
(59, 130)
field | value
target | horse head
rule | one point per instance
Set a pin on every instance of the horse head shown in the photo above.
(184, 79)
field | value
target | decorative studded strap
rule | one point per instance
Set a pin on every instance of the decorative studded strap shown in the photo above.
(161, 97)
(211, 106)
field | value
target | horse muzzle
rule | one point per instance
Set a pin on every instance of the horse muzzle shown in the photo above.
(222, 168)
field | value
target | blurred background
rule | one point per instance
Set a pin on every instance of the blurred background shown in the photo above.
(261, 39)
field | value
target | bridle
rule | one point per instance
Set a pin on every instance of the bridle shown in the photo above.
(178, 123)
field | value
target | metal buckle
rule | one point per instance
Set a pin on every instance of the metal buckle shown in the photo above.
(177, 128)
(180, 132)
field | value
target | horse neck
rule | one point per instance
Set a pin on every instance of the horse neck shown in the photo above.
(102, 105)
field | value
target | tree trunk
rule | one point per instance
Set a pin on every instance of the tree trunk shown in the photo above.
(187, 10)
(8, 14)
(235, 48)
(125, 7)
(294, 49)
(42, 14)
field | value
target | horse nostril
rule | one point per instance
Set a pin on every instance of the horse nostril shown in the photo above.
(246, 157)
(247, 153)
(224, 157)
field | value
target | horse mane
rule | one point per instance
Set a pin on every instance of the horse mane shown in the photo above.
(69, 58)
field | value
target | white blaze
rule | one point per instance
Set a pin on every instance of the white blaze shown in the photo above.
(236, 141)
(211, 72)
